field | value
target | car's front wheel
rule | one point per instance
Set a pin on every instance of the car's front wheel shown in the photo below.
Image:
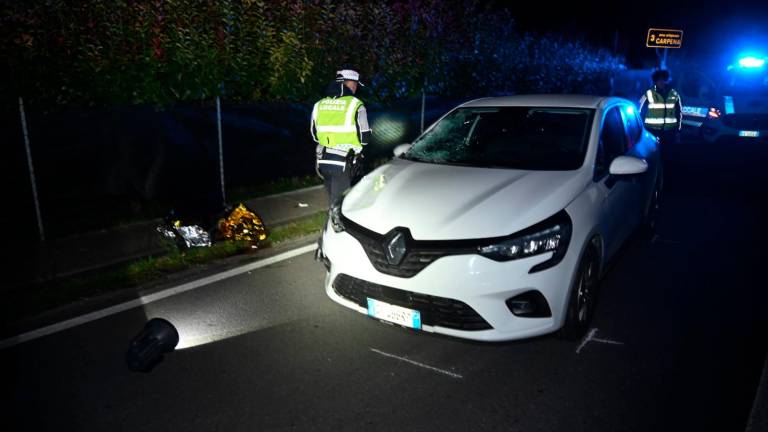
(581, 304)
(651, 214)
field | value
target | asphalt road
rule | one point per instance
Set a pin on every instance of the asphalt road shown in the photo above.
(678, 343)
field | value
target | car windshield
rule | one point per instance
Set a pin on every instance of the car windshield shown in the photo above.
(526, 138)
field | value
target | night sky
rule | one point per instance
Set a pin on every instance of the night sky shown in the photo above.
(712, 29)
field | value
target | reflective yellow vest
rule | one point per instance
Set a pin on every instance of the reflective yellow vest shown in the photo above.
(335, 122)
(661, 112)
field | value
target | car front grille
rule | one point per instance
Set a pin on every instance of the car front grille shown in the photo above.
(419, 255)
(746, 121)
(435, 311)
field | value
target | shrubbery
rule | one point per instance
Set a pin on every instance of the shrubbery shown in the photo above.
(99, 52)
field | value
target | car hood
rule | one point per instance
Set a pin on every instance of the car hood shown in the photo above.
(443, 202)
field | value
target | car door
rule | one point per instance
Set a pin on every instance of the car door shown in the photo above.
(616, 218)
(639, 185)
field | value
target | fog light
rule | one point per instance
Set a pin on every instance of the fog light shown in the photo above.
(530, 304)
(521, 307)
(146, 349)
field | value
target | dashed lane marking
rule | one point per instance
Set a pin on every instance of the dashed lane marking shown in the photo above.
(421, 365)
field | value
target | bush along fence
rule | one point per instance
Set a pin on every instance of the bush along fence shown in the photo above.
(136, 106)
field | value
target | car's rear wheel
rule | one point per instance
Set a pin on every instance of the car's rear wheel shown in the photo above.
(581, 304)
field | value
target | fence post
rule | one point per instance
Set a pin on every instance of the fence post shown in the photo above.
(423, 107)
(221, 152)
(40, 229)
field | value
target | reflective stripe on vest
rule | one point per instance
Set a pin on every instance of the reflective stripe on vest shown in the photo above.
(660, 120)
(661, 105)
(660, 115)
(335, 123)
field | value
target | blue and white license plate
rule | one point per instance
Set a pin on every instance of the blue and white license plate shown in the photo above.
(394, 314)
(751, 134)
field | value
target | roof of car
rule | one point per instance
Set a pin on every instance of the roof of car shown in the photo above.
(544, 100)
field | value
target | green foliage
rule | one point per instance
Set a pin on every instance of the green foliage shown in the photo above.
(305, 226)
(98, 52)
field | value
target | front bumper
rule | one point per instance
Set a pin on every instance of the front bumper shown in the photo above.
(483, 285)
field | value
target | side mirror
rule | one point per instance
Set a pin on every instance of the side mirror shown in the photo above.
(402, 148)
(628, 165)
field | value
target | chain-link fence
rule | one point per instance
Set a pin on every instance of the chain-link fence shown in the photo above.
(96, 168)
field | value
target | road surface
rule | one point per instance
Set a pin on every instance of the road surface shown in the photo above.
(678, 343)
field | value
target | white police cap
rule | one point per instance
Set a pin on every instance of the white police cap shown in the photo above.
(348, 75)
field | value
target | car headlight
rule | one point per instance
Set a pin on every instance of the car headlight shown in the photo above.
(334, 216)
(550, 235)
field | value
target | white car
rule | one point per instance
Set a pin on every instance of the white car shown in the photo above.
(497, 223)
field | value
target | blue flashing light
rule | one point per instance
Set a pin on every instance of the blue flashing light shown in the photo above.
(630, 110)
(751, 62)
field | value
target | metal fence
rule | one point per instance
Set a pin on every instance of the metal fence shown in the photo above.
(77, 170)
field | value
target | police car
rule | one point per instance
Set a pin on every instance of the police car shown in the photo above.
(497, 223)
(739, 110)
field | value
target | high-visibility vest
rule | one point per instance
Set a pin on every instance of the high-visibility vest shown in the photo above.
(661, 111)
(335, 122)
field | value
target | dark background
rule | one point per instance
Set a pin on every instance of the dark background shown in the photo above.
(711, 28)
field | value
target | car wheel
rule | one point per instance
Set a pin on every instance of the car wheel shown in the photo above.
(581, 304)
(651, 214)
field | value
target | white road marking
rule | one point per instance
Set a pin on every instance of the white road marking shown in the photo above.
(421, 365)
(590, 337)
(141, 301)
(586, 340)
(607, 341)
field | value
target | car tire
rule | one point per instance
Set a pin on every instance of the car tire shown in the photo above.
(651, 213)
(581, 303)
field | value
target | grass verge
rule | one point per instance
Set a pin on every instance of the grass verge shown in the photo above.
(32, 300)
(299, 228)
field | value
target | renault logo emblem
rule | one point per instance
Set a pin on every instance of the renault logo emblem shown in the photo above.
(394, 247)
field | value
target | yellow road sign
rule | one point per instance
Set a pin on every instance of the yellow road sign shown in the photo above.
(664, 38)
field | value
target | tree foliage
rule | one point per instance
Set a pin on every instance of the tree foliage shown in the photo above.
(98, 52)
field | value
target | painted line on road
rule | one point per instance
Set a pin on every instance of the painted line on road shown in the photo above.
(143, 300)
(586, 340)
(590, 337)
(421, 365)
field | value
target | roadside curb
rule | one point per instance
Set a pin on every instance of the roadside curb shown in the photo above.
(147, 227)
(291, 192)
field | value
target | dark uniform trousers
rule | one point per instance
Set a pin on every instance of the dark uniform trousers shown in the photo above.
(337, 178)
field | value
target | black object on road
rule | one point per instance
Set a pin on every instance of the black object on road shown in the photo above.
(146, 350)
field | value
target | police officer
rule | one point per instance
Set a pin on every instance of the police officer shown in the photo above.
(662, 109)
(340, 127)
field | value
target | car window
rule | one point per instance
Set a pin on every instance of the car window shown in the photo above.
(632, 124)
(612, 142)
(528, 138)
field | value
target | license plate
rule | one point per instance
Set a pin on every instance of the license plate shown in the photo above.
(751, 134)
(394, 314)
